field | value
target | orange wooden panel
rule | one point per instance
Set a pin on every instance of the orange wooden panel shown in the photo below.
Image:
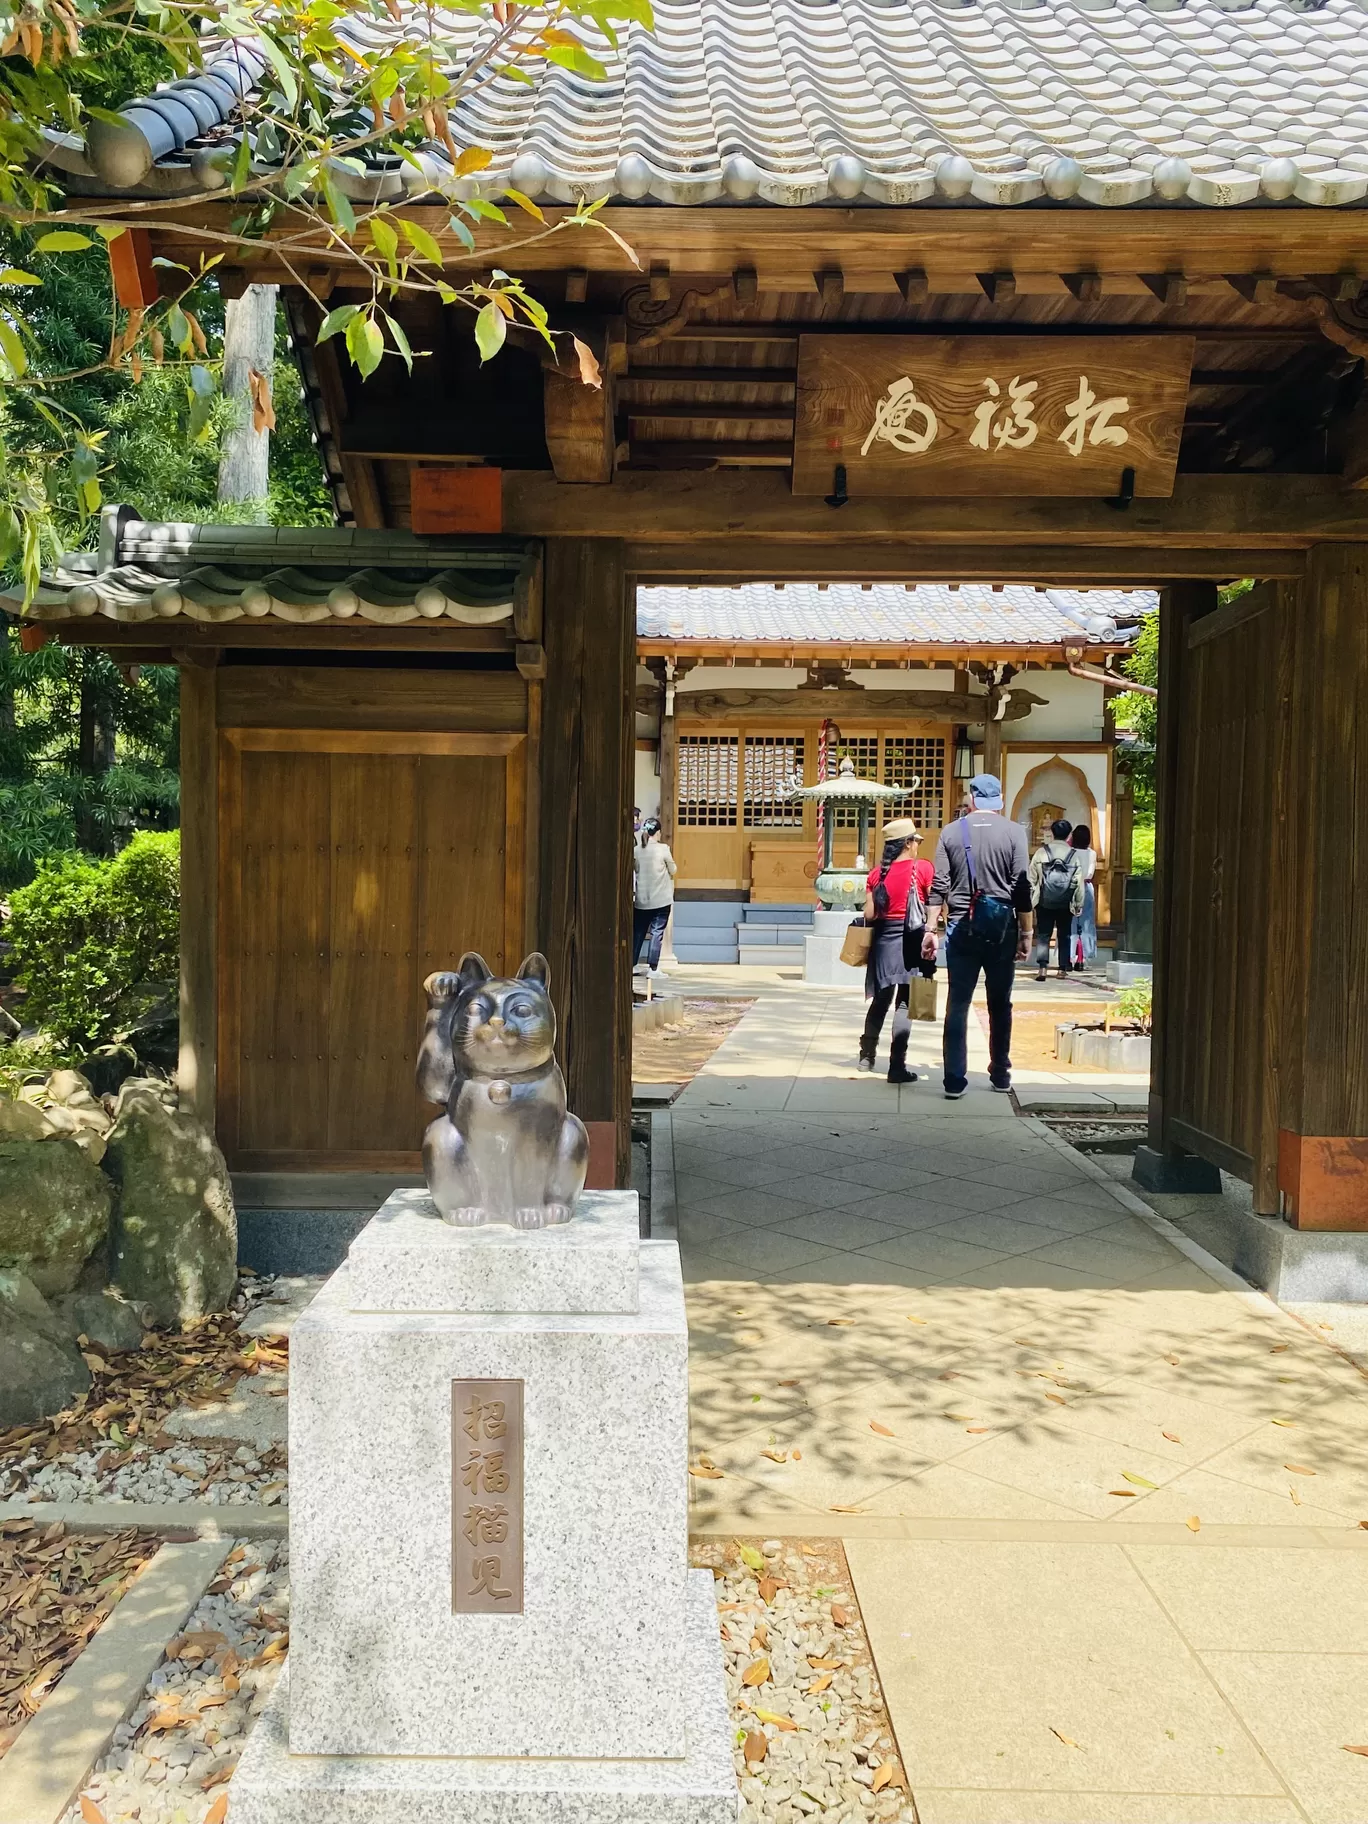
(1325, 1179)
(454, 498)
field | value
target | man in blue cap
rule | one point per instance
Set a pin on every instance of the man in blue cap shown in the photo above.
(982, 884)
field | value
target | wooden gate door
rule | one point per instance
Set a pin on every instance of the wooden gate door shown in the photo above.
(352, 864)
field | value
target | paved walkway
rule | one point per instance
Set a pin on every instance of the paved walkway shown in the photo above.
(930, 1328)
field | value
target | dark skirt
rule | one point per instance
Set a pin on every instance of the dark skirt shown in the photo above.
(886, 968)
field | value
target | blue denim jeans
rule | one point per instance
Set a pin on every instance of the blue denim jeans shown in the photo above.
(648, 933)
(965, 960)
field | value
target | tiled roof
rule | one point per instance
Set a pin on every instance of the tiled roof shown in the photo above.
(930, 614)
(1107, 102)
(154, 571)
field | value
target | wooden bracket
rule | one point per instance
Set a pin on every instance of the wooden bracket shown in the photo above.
(831, 285)
(913, 285)
(997, 287)
(576, 285)
(744, 285)
(1254, 287)
(130, 265)
(530, 658)
(1085, 286)
(659, 281)
(1168, 287)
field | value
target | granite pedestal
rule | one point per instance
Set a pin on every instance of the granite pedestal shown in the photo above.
(601, 1696)
(822, 952)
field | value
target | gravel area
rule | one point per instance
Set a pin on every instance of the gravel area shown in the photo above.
(169, 1763)
(182, 1472)
(812, 1733)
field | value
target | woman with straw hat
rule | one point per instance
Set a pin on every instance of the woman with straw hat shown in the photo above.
(895, 910)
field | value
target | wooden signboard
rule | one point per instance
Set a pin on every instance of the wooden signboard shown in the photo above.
(947, 415)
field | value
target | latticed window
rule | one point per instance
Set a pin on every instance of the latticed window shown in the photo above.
(707, 781)
(864, 751)
(909, 757)
(774, 765)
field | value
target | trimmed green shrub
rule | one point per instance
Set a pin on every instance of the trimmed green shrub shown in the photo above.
(86, 935)
(1136, 1002)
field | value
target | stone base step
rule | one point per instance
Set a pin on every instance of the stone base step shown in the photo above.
(771, 956)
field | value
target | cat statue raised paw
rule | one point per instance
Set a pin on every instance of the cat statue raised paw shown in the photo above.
(506, 1150)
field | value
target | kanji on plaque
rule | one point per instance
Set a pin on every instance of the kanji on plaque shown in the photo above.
(971, 414)
(487, 1497)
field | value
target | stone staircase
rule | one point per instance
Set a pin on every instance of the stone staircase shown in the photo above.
(731, 931)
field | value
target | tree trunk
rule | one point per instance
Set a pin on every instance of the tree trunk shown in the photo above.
(248, 344)
(95, 735)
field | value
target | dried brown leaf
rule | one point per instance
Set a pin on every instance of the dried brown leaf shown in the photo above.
(784, 1723)
(90, 1811)
(756, 1746)
(1172, 1437)
(1194, 1523)
(775, 1456)
(1299, 1469)
(705, 1472)
(1067, 1740)
(884, 1431)
(883, 1777)
(218, 1810)
(757, 1672)
(769, 1588)
(840, 1617)
(843, 1507)
(1348, 1749)
(818, 1684)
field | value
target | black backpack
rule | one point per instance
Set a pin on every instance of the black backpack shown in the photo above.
(1057, 881)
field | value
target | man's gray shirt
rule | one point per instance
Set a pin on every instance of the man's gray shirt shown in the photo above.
(1000, 863)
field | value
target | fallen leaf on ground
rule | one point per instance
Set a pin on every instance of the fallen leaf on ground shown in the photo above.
(796, 1456)
(218, 1810)
(840, 1617)
(916, 1320)
(840, 1323)
(1121, 1491)
(1354, 1750)
(977, 1430)
(759, 1641)
(884, 1431)
(1058, 1399)
(1299, 1469)
(1283, 1421)
(218, 1776)
(769, 1588)
(1296, 1498)
(775, 1456)
(1172, 1437)
(962, 1418)
(1194, 1523)
(842, 1507)
(780, 1722)
(818, 1684)
(749, 1556)
(951, 1374)
(705, 1472)
(90, 1811)
(756, 1746)
(824, 1665)
(788, 1383)
(757, 1672)
(1067, 1740)
(1279, 1349)
(1129, 1475)
(1173, 1360)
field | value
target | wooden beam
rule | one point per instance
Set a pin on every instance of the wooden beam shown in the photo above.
(1355, 471)
(126, 637)
(997, 287)
(1226, 619)
(646, 372)
(1168, 287)
(831, 286)
(1287, 242)
(1249, 512)
(130, 266)
(784, 706)
(1085, 286)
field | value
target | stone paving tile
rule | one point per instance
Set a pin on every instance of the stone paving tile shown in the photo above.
(948, 1491)
(1086, 1254)
(1219, 1501)
(1055, 1213)
(964, 1194)
(755, 1207)
(1301, 1708)
(1250, 1599)
(838, 1229)
(1131, 1413)
(1023, 1179)
(890, 1174)
(938, 1255)
(1015, 1667)
(988, 1229)
(1074, 1468)
(1022, 1272)
(903, 1212)
(857, 1270)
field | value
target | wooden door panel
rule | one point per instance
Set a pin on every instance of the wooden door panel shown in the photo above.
(348, 876)
(282, 895)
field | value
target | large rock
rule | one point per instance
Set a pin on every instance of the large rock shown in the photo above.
(175, 1228)
(54, 1210)
(41, 1370)
(22, 1120)
(108, 1320)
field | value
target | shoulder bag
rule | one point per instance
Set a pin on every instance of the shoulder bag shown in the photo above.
(989, 918)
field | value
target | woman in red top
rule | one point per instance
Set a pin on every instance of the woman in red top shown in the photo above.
(901, 875)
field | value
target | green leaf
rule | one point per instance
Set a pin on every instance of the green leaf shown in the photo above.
(201, 402)
(12, 348)
(285, 75)
(384, 236)
(491, 326)
(62, 240)
(339, 206)
(462, 233)
(337, 319)
(110, 231)
(575, 57)
(15, 275)
(749, 1556)
(487, 212)
(422, 242)
(178, 329)
(365, 344)
(242, 164)
(525, 202)
(400, 340)
(1138, 1481)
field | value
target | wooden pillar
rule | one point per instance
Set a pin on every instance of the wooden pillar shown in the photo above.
(585, 880)
(992, 747)
(197, 1070)
(1162, 1165)
(669, 768)
(1323, 1086)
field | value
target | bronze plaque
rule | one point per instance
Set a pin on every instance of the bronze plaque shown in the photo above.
(487, 1497)
(948, 415)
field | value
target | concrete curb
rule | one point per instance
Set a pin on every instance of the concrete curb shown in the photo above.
(52, 1758)
(664, 1213)
(711, 1522)
(172, 1519)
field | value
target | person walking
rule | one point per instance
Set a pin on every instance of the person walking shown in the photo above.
(1085, 927)
(1056, 876)
(895, 910)
(653, 878)
(981, 892)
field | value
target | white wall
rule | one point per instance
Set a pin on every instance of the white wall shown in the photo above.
(646, 790)
(1057, 783)
(789, 677)
(1072, 710)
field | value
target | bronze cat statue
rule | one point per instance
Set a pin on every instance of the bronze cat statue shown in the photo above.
(506, 1150)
